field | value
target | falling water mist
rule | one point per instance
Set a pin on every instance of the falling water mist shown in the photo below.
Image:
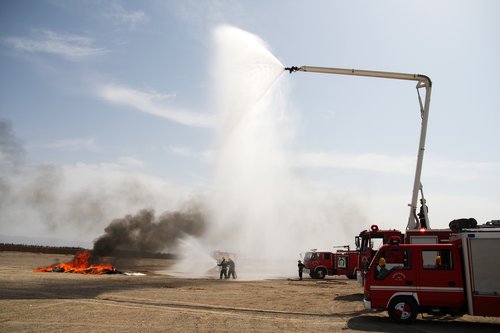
(252, 181)
(259, 209)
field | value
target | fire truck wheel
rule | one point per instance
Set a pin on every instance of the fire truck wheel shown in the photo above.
(403, 309)
(320, 273)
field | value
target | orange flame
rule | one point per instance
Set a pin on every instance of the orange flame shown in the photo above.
(80, 264)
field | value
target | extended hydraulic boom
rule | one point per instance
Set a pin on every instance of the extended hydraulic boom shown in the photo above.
(423, 81)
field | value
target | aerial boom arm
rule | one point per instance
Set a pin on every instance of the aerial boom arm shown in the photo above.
(423, 81)
(359, 72)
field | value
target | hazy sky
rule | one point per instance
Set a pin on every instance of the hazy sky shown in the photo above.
(95, 92)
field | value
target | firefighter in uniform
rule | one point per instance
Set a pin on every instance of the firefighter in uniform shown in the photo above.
(421, 214)
(232, 268)
(301, 268)
(383, 271)
(223, 268)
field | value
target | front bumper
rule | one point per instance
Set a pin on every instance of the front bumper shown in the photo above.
(368, 304)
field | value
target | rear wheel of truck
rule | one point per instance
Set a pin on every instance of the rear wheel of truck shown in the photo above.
(403, 310)
(320, 273)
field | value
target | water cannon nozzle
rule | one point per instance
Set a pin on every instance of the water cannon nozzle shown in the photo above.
(292, 69)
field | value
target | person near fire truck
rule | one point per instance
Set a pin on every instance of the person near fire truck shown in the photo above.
(223, 268)
(439, 264)
(421, 213)
(383, 271)
(232, 268)
(301, 268)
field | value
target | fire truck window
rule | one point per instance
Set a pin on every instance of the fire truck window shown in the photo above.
(327, 256)
(434, 259)
(376, 243)
(393, 259)
(314, 256)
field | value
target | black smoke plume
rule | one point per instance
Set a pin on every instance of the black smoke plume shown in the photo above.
(143, 233)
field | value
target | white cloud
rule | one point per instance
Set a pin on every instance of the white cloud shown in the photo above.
(367, 162)
(131, 161)
(151, 103)
(72, 47)
(434, 166)
(131, 18)
(182, 151)
(462, 170)
(205, 156)
(77, 144)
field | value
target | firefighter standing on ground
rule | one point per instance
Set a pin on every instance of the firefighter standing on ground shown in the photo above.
(232, 268)
(223, 268)
(301, 268)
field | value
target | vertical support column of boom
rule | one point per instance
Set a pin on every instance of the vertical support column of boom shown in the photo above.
(422, 82)
(413, 221)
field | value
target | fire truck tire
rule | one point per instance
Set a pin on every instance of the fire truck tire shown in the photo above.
(403, 309)
(320, 273)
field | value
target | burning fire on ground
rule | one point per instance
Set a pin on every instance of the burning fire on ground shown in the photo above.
(80, 264)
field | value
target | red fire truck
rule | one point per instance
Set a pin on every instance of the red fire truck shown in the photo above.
(370, 240)
(319, 264)
(455, 278)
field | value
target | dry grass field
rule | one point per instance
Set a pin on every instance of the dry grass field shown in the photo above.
(64, 302)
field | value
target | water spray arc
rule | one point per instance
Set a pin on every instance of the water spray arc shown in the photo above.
(424, 82)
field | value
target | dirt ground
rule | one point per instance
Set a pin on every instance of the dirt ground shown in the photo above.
(64, 302)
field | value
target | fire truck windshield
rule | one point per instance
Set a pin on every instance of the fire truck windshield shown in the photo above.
(311, 255)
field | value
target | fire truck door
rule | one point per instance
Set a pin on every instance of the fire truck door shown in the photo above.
(439, 280)
(392, 276)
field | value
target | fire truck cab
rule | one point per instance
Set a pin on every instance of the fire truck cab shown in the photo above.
(455, 278)
(370, 240)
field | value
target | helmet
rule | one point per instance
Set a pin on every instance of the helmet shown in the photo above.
(381, 262)
(438, 260)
